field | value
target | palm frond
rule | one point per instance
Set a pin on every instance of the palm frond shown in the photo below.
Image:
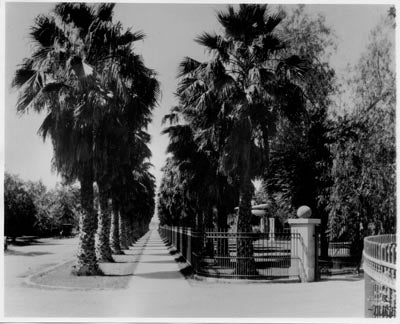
(273, 21)
(23, 74)
(187, 65)
(104, 11)
(47, 126)
(214, 43)
(293, 67)
(45, 31)
(130, 37)
(172, 118)
(79, 14)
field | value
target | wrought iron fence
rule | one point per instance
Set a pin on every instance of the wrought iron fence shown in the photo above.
(235, 255)
(339, 249)
(339, 259)
(380, 275)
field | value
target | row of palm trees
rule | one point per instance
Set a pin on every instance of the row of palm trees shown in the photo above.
(228, 111)
(98, 97)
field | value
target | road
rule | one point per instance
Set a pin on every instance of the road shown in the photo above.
(157, 289)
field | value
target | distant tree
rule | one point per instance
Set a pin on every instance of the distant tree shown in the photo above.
(19, 208)
(66, 208)
(42, 198)
(362, 200)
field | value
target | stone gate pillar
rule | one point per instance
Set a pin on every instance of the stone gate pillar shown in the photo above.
(304, 248)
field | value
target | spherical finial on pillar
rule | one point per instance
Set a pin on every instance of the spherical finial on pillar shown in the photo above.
(304, 212)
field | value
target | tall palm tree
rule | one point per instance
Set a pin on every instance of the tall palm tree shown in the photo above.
(117, 148)
(248, 83)
(77, 50)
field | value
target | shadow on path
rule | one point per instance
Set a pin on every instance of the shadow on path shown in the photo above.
(349, 278)
(161, 275)
(161, 261)
(158, 254)
(29, 254)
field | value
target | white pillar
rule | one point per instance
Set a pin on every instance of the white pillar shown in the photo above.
(263, 224)
(304, 248)
(271, 228)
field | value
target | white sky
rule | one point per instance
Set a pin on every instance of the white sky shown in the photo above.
(170, 30)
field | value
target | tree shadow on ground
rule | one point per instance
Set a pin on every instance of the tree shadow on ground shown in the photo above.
(28, 254)
(187, 271)
(156, 245)
(349, 278)
(161, 275)
(125, 261)
(163, 261)
(180, 259)
(158, 254)
(157, 249)
(24, 241)
(36, 240)
(132, 254)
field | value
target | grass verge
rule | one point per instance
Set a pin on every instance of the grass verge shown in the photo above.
(62, 277)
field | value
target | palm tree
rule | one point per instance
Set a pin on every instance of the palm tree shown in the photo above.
(77, 55)
(144, 198)
(118, 147)
(193, 173)
(248, 83)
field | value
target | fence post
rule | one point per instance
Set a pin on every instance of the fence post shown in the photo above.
(189, 246)
(305, 227)
(174, 233)
(181, 240)
(178, 238)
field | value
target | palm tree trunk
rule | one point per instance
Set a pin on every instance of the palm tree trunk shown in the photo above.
(135, 234)
(222, 243)
(129, 237)
(87, 262)
(123, 230)
(209, 225)
(103, 244)
(245, 264)
(245, 259)
(115, 244)
(142, 227)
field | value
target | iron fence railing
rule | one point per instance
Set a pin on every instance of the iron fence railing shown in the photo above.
(380, 275)
(220, 253)
(337, 249)
(339, 258)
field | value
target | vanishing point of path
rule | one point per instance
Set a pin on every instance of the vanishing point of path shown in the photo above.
(157, 289)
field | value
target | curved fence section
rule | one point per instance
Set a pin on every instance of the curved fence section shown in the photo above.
(380, 275)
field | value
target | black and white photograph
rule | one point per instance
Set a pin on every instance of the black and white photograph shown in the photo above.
(199, 162)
